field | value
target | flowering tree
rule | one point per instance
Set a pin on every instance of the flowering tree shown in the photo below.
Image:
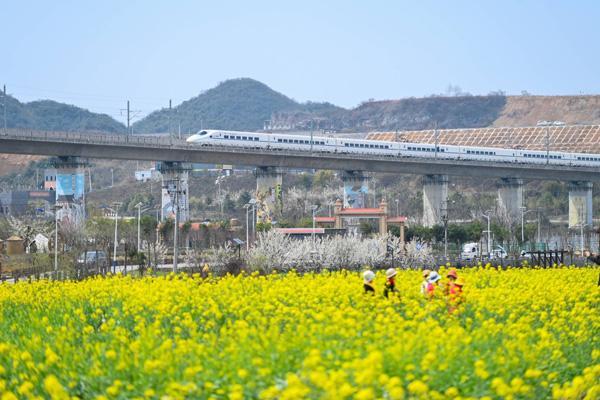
(417, 254)
(276, 251)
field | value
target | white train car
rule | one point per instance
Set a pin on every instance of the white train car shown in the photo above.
(322, 144)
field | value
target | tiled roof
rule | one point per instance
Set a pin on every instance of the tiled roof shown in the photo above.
(300, 231)
(325, 219)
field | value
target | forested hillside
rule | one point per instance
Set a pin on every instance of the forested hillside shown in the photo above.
(54, 116)
(236, 104)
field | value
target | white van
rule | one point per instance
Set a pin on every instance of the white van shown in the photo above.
(470, 251)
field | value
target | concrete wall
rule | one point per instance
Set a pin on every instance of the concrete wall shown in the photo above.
(435, 194)
(580, 203)
(510, 199)
(269, 196)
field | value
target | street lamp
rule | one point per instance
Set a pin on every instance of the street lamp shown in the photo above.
(247, 207)
(488, 215)
(115, 211)
(523, 213)
(56, 208)
(176, 228)
(548, 124)
(218, 183)
(139, 208)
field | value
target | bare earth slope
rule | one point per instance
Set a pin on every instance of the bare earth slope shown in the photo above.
(528, 110)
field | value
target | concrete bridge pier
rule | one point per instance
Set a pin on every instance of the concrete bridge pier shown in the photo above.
(580, 204)
(510, 199)
(175, 190)
(435, 194)
(356, 189)
(269, 195)
(70, 190)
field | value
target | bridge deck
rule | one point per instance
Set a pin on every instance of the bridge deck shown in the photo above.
(154, 148)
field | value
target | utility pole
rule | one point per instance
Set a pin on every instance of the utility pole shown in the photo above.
(116, 206)
(56, 208)
(581, 229)
(131, 114)
(437, 139)
(547, 145)
(311, 135)
(170, 111)
(4, 107)
(445, 221)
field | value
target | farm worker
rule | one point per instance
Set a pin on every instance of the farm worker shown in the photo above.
(455, 297)
(390, 283)
(452, 276)
(424, 284)
(369, 277)
(432, 283)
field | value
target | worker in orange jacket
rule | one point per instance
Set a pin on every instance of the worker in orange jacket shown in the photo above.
(452, 276)
(455, 295)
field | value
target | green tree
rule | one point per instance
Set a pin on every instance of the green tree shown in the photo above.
(243, 199)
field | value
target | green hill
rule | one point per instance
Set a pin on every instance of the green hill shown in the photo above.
(54, 116)
(236, 104)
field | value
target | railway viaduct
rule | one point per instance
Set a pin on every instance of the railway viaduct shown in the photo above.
(175, 154)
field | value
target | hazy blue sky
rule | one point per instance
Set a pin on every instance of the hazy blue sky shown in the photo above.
(99, 54)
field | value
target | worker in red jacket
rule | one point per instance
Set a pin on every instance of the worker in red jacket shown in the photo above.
(433, 284)
(390, 283)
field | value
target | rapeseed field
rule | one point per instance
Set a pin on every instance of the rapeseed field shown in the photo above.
(519, 333)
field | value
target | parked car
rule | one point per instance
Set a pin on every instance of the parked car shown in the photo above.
(499, 252)
(470, 251)
(92, 257)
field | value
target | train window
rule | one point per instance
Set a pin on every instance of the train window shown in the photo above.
(226, 136)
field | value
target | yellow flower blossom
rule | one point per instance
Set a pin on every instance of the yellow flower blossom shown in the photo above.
(516, 335)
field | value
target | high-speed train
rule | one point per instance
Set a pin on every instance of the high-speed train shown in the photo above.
(322, 144)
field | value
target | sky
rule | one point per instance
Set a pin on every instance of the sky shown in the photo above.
(99, 54)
